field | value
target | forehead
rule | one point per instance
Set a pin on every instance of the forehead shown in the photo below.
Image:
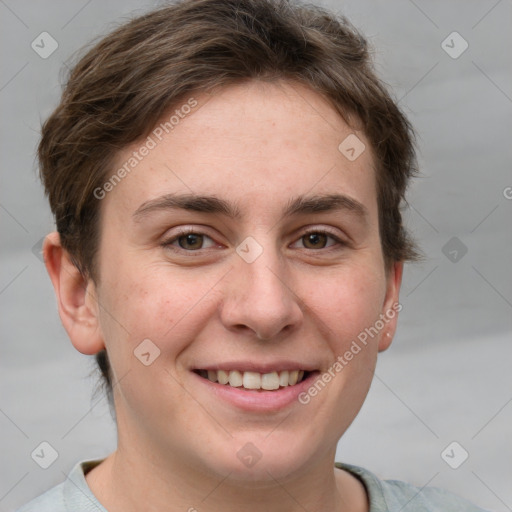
(258, 143)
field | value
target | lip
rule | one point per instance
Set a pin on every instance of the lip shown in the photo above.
(250, 366)
(260, 400)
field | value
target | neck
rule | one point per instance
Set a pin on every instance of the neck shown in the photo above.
(131, 482)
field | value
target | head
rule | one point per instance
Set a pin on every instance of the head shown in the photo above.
(247, 104)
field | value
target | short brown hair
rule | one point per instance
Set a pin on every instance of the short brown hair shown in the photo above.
(121, 88)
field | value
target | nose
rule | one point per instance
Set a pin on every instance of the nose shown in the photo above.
(259, 298)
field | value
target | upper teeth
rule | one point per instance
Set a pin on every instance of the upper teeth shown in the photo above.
(255, 380)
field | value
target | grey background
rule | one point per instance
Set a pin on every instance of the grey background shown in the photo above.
(447, 375)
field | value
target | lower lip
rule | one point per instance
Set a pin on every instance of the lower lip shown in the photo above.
(261, 400)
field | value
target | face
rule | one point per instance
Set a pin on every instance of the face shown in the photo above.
(248, 280)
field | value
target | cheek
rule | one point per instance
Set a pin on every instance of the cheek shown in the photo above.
(348, 305)
(149, 319)
(152, 303)
(348, 302)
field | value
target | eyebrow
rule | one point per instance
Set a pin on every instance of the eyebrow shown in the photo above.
(214, 205)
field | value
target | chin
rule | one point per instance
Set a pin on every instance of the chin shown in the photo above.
(262, 458)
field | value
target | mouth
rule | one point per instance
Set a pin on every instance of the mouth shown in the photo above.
(255, 381)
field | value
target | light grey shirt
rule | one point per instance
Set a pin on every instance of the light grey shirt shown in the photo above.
(74, 495)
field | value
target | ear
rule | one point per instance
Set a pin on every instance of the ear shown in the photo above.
(76, 298)
(391, 306)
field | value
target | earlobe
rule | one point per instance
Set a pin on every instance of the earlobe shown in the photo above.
(76, 298)
(391, 306)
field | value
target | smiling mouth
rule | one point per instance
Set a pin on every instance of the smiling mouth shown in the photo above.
(255, 381)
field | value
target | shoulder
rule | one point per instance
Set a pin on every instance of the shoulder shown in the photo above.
(72, 495)
(51, 501)
(395, 495)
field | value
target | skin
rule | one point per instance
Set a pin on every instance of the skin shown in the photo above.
(259, 145)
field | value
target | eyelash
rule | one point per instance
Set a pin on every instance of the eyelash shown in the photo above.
(167, 244)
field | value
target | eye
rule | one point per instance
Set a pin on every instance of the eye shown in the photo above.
(318, 239)
(188, 241)
(193, 241)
